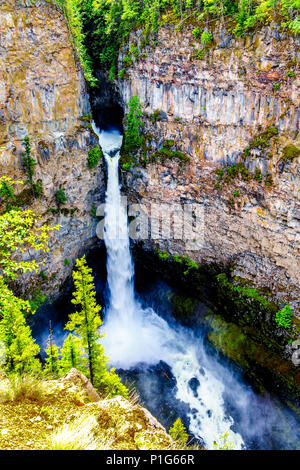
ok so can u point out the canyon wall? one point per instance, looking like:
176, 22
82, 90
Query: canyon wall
234, 101
43, 95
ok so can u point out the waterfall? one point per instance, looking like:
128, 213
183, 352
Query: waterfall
134, 335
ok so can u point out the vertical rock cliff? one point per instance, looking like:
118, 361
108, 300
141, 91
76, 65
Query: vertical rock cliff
233, 102
43, 95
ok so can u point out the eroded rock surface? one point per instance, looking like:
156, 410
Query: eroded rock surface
212, 110
43, 95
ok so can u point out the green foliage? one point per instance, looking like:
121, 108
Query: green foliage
94, 156
291, 74
156, 116
290, 152
52, 360
100, 27
257, 175
28, 162
60, 197
15, 334
67, 262
86, 322
198, 54
206, 38
29, 165
268, 180
94, 211
178, 432
37, 300
260, 141
276, 86
223, 443
133, 122
284, 317
7, 193
74, 11
243, 291
187, 262
71, 354
19, 231
163, 254
197, 33
167, 153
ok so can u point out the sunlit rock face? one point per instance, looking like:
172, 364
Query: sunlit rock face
212, 108
43, 95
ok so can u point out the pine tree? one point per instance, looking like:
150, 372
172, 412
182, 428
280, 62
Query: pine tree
133, 125
20, 348
52, 361
87, 321
178, 432
28, 162
71, 354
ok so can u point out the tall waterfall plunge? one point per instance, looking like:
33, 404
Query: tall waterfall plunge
139, 336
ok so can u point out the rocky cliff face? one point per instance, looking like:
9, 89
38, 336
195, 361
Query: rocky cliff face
43, 95
234, 101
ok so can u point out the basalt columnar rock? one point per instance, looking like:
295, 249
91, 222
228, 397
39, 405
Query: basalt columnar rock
234, 101
43, 95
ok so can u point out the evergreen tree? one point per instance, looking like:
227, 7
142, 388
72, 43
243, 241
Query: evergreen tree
71, 354
20, 348
87, 321
133, 125
178, 432
52, 361
7, 194
28, 162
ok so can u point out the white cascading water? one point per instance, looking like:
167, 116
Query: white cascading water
134, 335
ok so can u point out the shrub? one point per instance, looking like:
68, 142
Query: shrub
290, 73
268, 180
27, 387
94, 211
290, 152
60, 197
284, 316
78, 435
206, 38
197, 33
258, 175
94, 156
156, 116
67, 262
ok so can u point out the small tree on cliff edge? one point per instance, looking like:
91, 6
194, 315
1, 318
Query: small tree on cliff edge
133, 125
86, 321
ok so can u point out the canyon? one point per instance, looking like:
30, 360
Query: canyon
220, 126
212, 109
